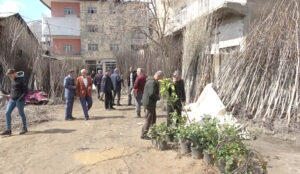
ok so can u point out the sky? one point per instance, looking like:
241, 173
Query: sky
28, 9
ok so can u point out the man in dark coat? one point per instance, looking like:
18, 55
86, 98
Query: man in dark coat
117, 85
69, 85
180, 92
97, 82
18, 93
150, 97
107, 88
131, 80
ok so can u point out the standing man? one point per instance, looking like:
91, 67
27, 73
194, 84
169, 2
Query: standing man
107, 88
131, 79
18, 93
97, 82
138, 90
69, 85
93, 74
84, 91
117, 82
150, 97
180, 92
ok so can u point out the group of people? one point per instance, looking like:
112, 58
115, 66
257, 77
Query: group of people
107, 85
144, 90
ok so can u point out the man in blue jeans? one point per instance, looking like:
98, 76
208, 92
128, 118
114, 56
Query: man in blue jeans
18, 93
69, 85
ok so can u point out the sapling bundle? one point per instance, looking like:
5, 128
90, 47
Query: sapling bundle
263, 80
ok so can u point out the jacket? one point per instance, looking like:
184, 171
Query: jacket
69, 85
81, 90
179, 90
134, 77
106, 85
98, 79
19, 88
139, 84
151, 93
116, 81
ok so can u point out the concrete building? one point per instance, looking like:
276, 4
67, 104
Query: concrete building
93, 30
235, 18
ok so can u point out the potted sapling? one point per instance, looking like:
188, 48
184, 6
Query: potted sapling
183, 134
197, 140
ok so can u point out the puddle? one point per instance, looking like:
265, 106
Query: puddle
96, 157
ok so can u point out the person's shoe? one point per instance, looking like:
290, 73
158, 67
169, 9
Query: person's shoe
112, 108
119, 105
24, 131
87, 118
145, 137
73, 118
68, 119
7, 132
129, 104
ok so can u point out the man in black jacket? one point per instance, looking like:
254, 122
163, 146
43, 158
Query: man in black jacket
18, 93
180, 92
131, 80
97, 82
107, 88
150, 97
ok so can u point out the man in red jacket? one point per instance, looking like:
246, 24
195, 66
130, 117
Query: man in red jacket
138, 90
84, 91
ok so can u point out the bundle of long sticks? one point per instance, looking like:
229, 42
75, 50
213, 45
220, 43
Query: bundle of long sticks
263, 80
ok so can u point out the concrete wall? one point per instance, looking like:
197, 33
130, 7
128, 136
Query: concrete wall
57, 8
61, 26
58, 46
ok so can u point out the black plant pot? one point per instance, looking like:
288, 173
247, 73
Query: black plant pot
170, 138
221, 165
197, 153
162, 145
185, 146
208, 158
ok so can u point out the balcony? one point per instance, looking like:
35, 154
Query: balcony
68, 26
196, 8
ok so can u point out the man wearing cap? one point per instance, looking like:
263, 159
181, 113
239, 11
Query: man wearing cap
97, 83
84, 91
180, 92
150, 97
69, 85
18, 93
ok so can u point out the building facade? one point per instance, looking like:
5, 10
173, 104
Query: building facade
234, 17
93, 30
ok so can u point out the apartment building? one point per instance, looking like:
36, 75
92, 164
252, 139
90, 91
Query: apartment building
93, 30
234, 21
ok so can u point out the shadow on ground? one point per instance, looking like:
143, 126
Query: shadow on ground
101, 117
52, 131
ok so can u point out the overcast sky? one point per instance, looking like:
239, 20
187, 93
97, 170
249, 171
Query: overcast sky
28, 9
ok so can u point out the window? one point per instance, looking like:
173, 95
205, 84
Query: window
93, 47
69, 11
92, 10
114, 47
134, 47
110, 65
68, 48
92, 28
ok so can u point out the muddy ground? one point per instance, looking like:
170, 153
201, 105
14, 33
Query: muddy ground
109, 143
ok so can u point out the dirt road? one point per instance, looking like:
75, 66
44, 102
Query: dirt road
109, 143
